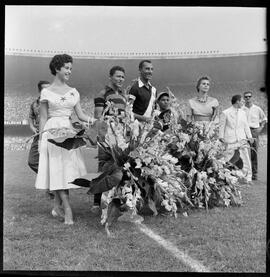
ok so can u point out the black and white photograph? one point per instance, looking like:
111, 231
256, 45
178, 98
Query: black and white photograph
135, 139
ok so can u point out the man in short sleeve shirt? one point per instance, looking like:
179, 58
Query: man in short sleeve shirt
111, 93
256, 120
144, 92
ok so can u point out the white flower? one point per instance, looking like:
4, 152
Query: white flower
166, 169
135, 128
212, 180
129, 202
127, 166
170, 158
227, 202
138, 163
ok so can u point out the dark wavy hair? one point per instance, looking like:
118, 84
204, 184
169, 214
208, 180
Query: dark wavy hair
142, 62
58, 61
41, 83
115, 68
236, 98
200, 80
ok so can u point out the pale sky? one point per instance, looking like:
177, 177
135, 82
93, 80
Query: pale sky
138, 29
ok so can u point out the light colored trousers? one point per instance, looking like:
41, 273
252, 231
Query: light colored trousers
245, 156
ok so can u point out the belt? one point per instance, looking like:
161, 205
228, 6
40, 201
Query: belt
202, 117
58, 116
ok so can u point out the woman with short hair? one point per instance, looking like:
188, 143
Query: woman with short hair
58, 166
202, 107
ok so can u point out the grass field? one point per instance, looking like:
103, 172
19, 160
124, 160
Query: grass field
224, 239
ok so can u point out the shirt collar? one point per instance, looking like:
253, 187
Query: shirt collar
141, 84
249, 107
236, 109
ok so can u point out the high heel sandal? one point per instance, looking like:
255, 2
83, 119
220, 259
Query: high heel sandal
69, 222
56, 214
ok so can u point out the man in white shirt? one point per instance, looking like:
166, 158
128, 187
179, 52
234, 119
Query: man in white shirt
256, 121
234, 131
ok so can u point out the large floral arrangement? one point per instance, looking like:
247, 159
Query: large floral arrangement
167, 172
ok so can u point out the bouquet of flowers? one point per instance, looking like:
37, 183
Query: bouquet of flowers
183, 167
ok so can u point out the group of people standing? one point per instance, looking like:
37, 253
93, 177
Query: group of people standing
56, 167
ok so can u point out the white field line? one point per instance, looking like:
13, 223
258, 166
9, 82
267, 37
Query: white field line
179, 255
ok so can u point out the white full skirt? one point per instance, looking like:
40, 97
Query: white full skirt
58, 166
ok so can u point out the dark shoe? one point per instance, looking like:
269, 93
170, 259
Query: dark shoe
95, 209
49, 194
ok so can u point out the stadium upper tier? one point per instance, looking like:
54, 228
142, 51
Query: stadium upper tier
17, 104
90, 75
230, 75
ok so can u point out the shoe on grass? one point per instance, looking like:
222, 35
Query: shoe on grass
95, 209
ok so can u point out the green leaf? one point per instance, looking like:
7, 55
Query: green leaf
98, 129
107, 180
85, 180
68, 143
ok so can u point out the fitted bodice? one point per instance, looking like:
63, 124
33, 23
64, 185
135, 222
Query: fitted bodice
60, 105
196, 107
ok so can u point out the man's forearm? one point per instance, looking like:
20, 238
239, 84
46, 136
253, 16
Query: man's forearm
262, 124
31, 124
140, 117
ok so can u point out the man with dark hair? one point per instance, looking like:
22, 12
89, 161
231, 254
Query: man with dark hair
34, 126
234, 130
144, 92
112, 93
256, 120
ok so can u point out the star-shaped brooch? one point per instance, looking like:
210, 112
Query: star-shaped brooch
63, 98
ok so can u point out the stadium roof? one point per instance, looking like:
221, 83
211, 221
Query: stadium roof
130, 32
125, 55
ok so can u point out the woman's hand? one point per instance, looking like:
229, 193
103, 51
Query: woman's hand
34, 129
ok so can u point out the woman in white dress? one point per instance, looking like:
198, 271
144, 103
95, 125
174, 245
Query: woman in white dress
58, 166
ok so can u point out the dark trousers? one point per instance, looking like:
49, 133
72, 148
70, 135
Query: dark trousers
101, 157
253, 152
33, 156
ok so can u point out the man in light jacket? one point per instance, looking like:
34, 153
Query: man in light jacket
234, 130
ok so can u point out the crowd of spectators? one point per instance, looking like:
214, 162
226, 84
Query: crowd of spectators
17, 104
16, 107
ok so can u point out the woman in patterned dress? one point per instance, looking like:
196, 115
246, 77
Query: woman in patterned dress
58, 166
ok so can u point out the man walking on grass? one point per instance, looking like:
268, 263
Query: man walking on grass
256, 121
234, 130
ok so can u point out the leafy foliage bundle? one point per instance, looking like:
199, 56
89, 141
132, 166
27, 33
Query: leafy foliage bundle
181, 168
